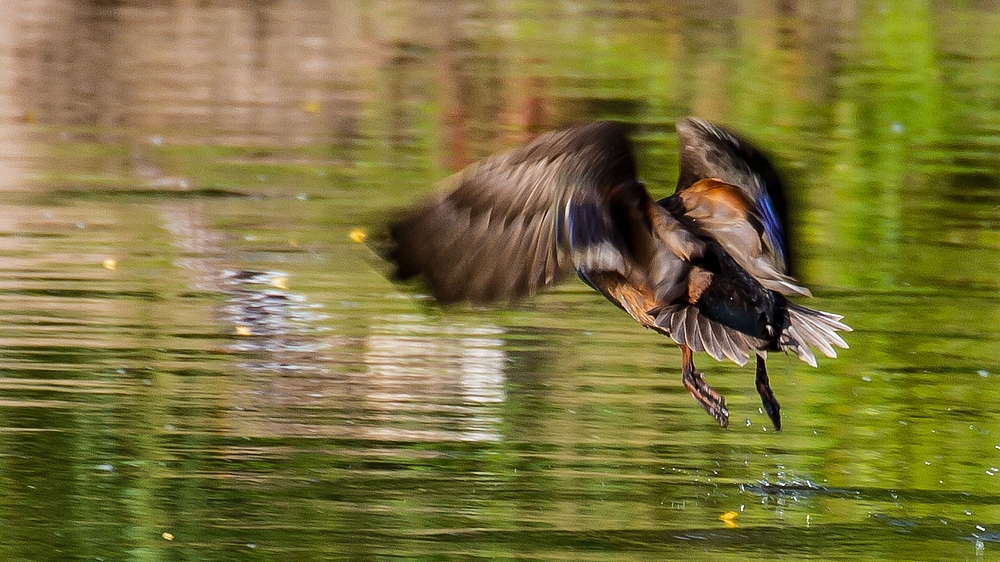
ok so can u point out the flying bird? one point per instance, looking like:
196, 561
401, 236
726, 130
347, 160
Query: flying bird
706, 266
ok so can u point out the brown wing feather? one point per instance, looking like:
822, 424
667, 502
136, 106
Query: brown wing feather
711, 152
504, 228
723, 212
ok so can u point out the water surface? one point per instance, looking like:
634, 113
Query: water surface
199, 363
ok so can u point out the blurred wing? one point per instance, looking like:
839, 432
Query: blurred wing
709, 151
516, 222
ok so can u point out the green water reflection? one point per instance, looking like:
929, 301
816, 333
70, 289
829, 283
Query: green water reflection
198, 364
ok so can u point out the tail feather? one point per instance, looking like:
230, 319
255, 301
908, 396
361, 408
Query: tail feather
687, 326
815, 328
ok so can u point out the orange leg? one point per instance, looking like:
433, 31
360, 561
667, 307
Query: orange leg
771, 406
694, 381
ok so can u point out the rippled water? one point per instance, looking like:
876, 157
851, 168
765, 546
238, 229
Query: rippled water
200, 361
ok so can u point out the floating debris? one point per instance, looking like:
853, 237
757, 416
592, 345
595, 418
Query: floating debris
729, 519
357, 236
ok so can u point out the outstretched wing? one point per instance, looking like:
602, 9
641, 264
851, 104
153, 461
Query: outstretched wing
519, 221
729, 191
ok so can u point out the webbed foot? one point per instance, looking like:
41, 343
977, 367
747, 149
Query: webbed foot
771, 406
694, 381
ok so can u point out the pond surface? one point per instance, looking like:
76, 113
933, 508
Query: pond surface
200, 361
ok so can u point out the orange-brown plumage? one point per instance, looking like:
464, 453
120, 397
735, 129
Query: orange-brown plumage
718, 200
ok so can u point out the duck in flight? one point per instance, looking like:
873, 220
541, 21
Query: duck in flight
706, 266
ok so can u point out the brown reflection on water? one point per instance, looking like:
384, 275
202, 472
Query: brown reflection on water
294, 73
13, 137
218, 72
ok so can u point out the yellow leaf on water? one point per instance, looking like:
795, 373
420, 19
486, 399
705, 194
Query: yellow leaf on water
243, 331
357, 236
280, 283
167, 536
729, 519
110, 263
